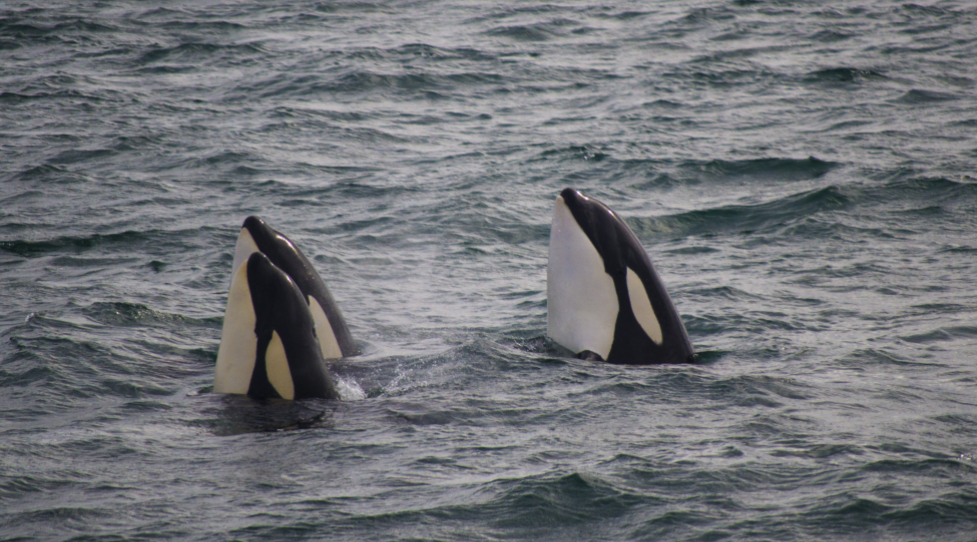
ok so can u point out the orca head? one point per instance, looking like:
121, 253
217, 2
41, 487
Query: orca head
268, 343
246, 244
604, 299
257, 236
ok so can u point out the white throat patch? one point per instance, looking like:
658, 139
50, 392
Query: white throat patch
581, 306
243, 250
239, 345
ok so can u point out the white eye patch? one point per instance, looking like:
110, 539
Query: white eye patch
641, 306
276, 366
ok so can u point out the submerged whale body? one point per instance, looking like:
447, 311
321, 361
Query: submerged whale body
281, 323
604, 299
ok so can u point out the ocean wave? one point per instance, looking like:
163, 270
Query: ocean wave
73, 244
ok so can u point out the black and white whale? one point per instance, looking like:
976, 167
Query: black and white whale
269, 348
258, 236
604, 299
281, 322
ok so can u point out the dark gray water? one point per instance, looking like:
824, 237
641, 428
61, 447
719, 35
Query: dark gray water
802, 174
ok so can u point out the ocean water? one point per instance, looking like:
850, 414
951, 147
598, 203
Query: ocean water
801, 173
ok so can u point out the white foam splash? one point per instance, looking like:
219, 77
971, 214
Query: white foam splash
349, 390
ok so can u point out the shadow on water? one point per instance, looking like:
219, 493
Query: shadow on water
239, 414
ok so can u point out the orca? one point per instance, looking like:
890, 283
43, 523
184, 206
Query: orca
281, 322
257, 236
269, 348
605, 302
